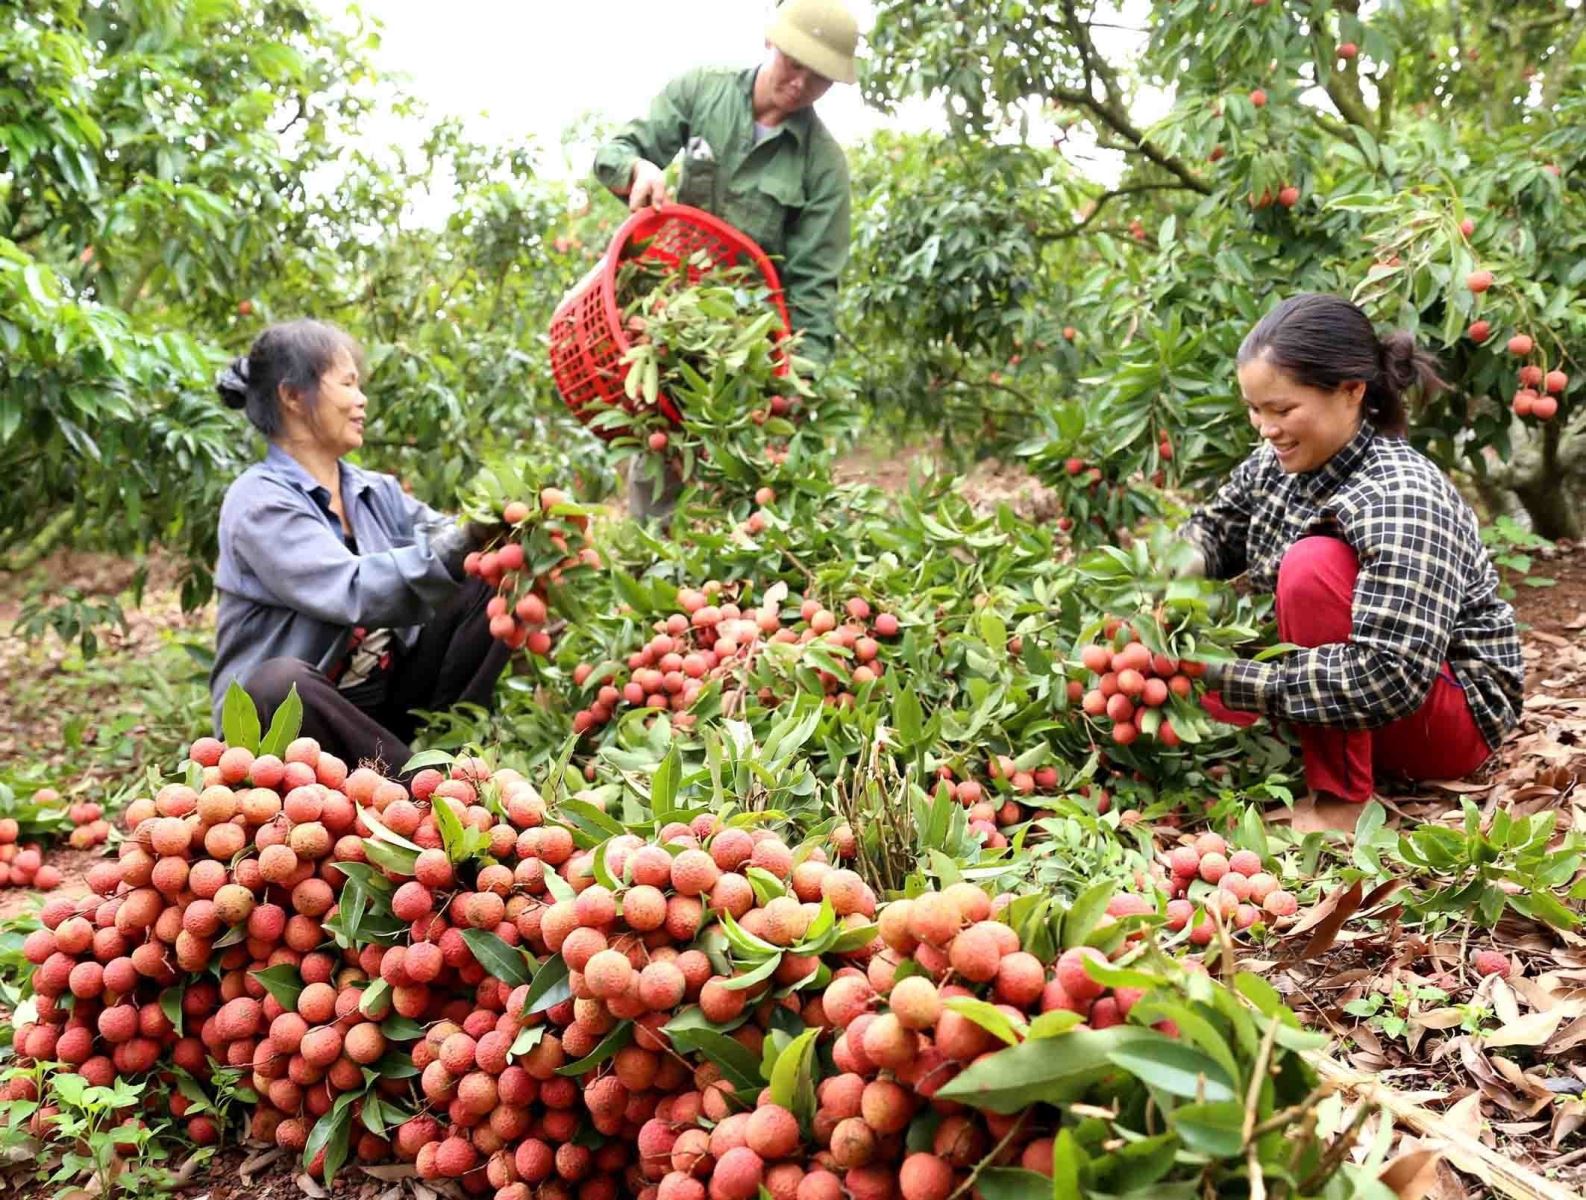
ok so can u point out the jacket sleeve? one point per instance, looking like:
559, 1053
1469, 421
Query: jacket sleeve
1402, 615
301, 562
817, 251
1220, 529
656, 137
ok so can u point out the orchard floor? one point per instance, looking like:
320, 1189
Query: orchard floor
88, 725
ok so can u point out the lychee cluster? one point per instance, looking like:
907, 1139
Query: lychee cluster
713, 638
541, 547
1135, 690
995, 812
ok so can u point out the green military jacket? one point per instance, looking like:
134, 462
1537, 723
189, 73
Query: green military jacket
789, 192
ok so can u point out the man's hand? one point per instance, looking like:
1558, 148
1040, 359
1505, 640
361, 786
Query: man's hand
648, 186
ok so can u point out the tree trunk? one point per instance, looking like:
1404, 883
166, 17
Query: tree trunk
1553, 511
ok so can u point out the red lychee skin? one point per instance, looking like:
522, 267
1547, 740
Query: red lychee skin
1184, 860
1071, 973
738, 1175
853, 1143
1281, 904
923, 1176
820, 1184
1213, 866
1491, 962
772, 1132
1246, 862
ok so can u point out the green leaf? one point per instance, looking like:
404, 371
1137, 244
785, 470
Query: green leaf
171, 1006
738, 1064
239, 719
664, 784
376, 999
792, 1079
550, 985
283, 982
451, 830
609, 1045
1052, 1070
428, 758
1086, 911
990, 1018
748, 979
397, 859
401, 1029
284, 725
526, 1040
330, 1134
1170, 1066
1214, 1129
506, 963
1013, 1183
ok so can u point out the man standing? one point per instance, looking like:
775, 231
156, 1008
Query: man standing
756, 155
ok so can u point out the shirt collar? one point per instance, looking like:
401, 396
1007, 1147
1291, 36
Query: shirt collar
797, 124
354, 481
1333, 473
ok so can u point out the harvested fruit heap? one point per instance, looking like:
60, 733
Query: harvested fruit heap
836, 653
448, 975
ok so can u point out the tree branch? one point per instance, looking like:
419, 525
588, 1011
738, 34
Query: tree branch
1111, 111
1101, 202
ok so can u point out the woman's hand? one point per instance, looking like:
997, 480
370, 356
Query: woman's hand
1193, 566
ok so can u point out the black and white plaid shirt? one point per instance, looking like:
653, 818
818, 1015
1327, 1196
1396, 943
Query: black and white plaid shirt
1427, 592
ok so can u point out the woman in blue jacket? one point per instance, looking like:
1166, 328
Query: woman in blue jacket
331, 578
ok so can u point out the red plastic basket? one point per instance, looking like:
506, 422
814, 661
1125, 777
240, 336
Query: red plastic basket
588, 341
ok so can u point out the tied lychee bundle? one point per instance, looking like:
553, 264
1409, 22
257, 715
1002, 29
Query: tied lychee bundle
22, 863
1232, 888
712, 639
541, 546
1135, 690
1096, 506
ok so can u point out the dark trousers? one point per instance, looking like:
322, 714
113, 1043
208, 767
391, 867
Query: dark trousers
455, 660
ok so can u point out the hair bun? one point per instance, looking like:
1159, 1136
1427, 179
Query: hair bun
232, 383
1405, 364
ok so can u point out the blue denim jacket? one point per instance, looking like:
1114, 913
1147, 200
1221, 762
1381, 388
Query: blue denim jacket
289, 586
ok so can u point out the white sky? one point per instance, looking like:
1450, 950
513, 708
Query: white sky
512, 68
516, 69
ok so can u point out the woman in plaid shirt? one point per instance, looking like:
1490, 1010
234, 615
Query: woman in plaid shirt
1410, 663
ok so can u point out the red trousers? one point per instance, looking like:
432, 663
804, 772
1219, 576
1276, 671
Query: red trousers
1441, 740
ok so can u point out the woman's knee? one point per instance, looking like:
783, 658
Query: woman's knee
269, 683
1317, 570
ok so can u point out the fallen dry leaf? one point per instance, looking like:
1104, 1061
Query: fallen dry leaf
1533, 1029
1412, 1173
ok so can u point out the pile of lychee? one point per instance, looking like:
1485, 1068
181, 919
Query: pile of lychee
1135, 690
543, 543
713, 638
1239, 891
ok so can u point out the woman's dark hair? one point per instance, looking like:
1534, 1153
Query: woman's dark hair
296, 353
1325, 341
